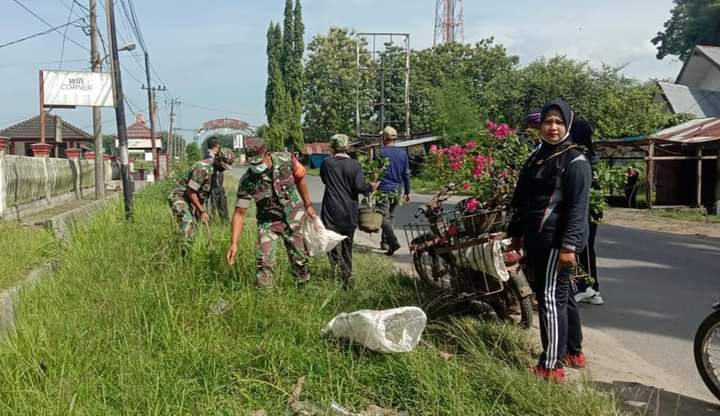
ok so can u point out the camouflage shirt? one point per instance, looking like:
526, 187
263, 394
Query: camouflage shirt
274, 191
197, 179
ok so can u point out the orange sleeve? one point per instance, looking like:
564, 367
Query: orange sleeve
298, 169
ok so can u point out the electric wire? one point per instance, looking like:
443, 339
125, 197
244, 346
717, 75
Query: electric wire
48, 24
62, 49
45, 32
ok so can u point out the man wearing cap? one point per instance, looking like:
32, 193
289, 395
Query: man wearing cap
187, 198
395, 180
276, 182
344, 181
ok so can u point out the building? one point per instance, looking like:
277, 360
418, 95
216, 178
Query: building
697, 88
139, 140
60, 134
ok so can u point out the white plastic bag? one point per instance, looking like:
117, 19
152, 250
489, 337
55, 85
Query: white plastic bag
318, 239
390, 330
487, 258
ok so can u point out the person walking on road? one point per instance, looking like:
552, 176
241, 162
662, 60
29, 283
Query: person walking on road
344, 181
187, 198
395, 180
218, 199
276, 182
581, 134
550, 220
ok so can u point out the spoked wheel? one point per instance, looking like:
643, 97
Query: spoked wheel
432, 268
707, 352
510, 306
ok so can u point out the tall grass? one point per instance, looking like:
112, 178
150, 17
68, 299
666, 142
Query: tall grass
128, 326
22, 248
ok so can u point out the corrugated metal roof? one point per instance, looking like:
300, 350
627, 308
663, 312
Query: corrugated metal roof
682, 99
414, 142
30, 129
700, 130
712, 52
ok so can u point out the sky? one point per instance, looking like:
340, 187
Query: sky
211, 54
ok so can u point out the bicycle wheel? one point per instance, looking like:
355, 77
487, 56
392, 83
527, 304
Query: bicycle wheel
707, 352
510, 306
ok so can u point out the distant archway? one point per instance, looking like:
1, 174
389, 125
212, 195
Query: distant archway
226, 127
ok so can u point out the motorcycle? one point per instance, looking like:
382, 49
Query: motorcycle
706, 349
448, 248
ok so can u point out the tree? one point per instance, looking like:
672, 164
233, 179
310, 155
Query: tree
291, 66
278, 103
108, 144
176, 138
330, 81
692, 22
192, 152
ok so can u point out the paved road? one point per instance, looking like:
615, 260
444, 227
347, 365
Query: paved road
658, 288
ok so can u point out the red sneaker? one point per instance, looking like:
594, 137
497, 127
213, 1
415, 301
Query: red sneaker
550, 374
575, 360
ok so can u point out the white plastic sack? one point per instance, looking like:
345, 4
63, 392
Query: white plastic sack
487, 258
390, 330
318, 239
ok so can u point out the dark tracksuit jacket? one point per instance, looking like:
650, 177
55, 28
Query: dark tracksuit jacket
551, 213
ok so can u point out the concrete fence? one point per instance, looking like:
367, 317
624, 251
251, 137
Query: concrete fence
31, 184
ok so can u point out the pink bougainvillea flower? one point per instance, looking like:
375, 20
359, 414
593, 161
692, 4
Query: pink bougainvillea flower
472, 205
503, 131
490, 125
504, 173
481, 164
456, 150
470, 145
452, 230
433, 149
466, 186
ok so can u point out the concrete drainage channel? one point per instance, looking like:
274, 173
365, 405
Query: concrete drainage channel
60, 225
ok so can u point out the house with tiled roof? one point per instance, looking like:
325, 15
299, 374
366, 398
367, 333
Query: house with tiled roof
60, 134
140, 139
697, 87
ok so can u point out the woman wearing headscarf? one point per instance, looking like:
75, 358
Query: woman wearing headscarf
581, 134
550, 221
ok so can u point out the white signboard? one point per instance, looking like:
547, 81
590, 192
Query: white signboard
140, 143
78, 88
238, 142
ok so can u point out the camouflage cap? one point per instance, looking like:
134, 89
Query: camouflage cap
255, 150
340, 142
224, 158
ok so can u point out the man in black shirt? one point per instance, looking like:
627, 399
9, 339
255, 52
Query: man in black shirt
344, 180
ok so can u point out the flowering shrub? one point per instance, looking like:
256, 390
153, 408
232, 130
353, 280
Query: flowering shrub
486, 167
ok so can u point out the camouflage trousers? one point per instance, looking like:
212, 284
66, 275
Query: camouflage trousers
268, 235
184, 216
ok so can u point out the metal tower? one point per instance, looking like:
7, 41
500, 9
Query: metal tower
449, 25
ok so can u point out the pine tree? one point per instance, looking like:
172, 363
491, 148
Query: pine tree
277, 116
269, 89
298, 79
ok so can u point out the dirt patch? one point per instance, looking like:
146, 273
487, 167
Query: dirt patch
639, 219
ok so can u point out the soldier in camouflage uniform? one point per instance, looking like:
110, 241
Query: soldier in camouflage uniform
276, 182
188, 197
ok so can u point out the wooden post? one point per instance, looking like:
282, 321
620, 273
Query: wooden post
699, 176
42, 108
650, 174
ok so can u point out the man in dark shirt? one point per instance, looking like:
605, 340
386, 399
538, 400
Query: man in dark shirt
395, 180
344, 181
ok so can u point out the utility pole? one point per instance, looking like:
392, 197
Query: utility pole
151, 106
97, 115
171, 140
119, 108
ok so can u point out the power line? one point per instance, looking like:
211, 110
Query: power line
62, 49
42, 63
48, 24
71, 7
201, 107
39, 34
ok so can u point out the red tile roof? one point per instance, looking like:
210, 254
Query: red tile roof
314, 148
138, 130
30, 129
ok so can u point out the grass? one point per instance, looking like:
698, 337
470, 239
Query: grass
694, 215
22, 248
128, 326
313, 171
